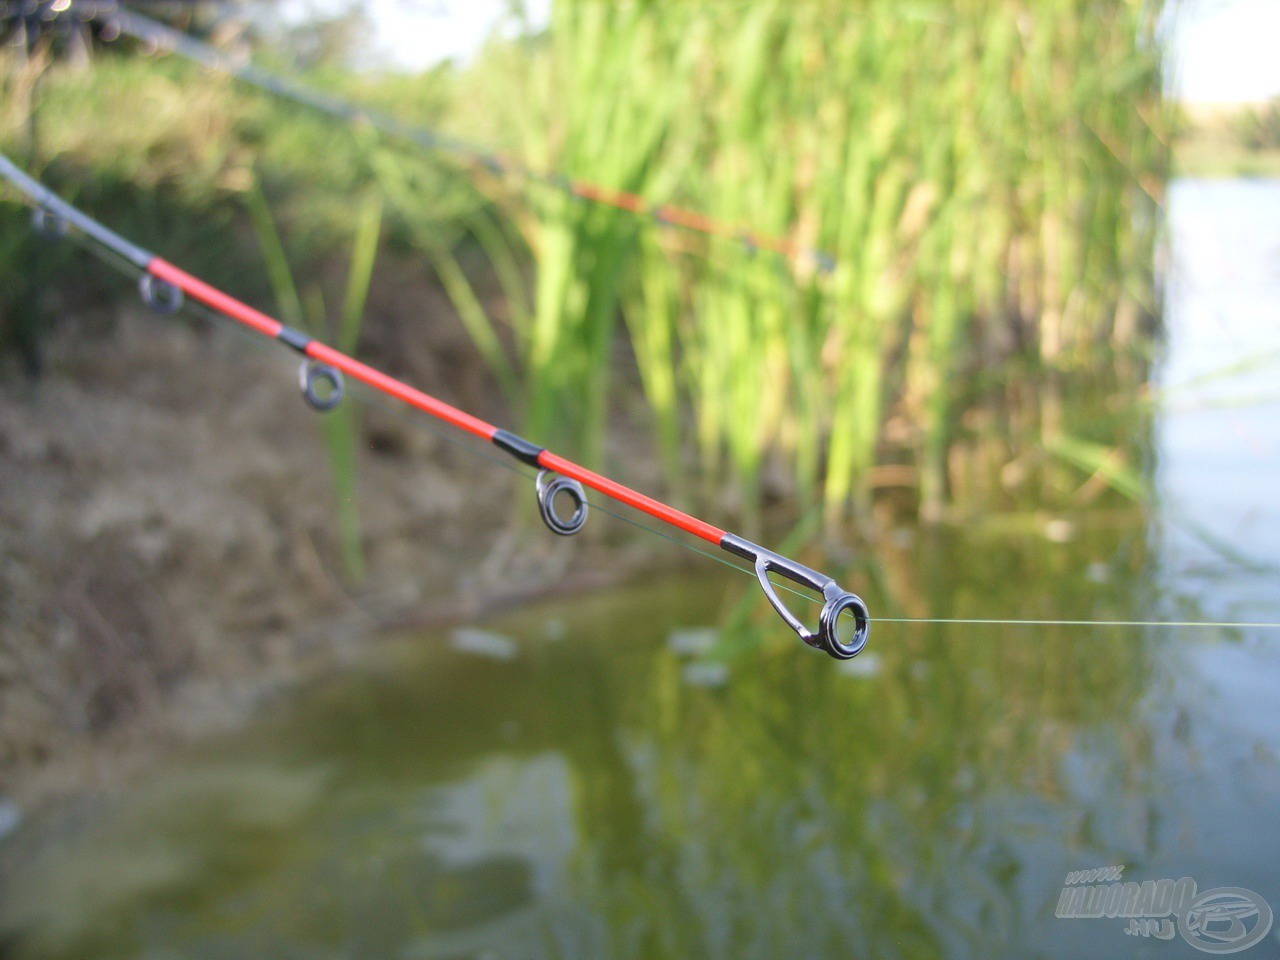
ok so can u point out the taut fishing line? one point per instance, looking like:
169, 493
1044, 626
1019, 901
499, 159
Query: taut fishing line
1084, 623
167, 289
159, 36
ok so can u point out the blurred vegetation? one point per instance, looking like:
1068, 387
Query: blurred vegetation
1228, 140
984, 175
1259, 127
304, 307
24, 266
206, 172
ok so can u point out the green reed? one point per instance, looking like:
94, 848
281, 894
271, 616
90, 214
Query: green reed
306, 309
984, 175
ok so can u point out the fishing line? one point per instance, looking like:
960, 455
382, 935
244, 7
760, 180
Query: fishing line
1082, 623
168, 289
373, 399
377, 401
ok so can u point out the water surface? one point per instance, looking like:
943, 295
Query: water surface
586, 780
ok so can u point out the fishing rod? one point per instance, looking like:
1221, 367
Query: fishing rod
843, 622
176, 42
163, 287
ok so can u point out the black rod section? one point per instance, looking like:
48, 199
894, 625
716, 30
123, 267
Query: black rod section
518, 447
47, 200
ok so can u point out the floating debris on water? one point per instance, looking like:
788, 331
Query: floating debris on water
704, 673
10, 817
692, 641
1059, 531
1097, 572
483, 643
867, 665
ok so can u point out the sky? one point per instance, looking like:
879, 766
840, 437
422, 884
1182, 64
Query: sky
1224, 51
416, 34
1227, 51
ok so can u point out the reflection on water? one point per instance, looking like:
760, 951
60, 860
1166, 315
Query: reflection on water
1220, 433
580, 782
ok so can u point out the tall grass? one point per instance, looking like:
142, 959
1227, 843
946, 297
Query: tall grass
305, 308
985, 176
19, 316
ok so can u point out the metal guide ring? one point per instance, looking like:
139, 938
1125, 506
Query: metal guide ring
548, 490
160, 295
829, 626
49, 223
836, 601
310, 375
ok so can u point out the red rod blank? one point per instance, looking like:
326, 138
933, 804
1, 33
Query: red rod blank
400, 390
632, 498
231, 307
215, 298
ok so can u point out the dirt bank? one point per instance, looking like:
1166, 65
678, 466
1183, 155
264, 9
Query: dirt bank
167, 540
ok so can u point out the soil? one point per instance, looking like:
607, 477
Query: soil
168, 554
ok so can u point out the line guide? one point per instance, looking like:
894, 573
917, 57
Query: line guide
844, 621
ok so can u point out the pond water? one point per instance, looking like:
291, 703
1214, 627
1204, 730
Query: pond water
582, 780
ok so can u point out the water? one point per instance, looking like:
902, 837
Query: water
583, 780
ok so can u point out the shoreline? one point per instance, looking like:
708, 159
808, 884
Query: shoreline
157, 473
1209, 142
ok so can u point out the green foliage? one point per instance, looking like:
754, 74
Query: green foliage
1259, 128
306, 309
985, 176
163, 149
21, 263
26, 263
406, 183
